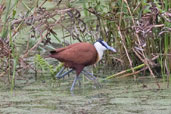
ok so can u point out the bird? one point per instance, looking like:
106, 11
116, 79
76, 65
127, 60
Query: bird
79, 55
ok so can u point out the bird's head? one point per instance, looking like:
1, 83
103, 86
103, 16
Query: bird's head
101, 45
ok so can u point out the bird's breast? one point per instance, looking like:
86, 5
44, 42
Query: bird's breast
97, 58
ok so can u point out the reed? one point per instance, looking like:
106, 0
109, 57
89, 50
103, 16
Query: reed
139, 29
137, 43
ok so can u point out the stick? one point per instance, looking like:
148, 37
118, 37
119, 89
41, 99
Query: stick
133, 73
128, 70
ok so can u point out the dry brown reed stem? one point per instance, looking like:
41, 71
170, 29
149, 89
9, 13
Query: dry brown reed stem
121, 61
33, 18
137, 53
120, 73
27, 46
44, 16
4, 72
146, 64
126, 51
120, 18
43, 3
44, 29
137, 7
35, 46
145, 59
133, 73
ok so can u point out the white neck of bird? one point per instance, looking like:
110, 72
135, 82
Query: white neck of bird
100, 49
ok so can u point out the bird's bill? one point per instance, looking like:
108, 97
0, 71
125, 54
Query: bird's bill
111, 48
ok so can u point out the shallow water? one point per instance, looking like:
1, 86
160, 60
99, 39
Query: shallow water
119, 96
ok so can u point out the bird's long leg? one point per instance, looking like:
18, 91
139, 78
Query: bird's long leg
79, 81
65, 73
59, 73
73, 84
90, 74
93, 78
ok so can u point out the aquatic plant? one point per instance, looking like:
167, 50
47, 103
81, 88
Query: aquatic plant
139, 29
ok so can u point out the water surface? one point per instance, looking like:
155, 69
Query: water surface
117, 96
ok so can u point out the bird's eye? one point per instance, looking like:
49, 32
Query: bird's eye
104, 44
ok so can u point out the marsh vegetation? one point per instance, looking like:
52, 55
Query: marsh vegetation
140, 30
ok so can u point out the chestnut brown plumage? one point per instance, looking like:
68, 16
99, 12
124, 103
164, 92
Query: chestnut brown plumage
76, 56
79, 55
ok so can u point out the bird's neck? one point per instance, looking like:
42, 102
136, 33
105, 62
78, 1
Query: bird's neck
100, 54
99, 51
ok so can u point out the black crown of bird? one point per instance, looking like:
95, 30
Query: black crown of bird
79, 55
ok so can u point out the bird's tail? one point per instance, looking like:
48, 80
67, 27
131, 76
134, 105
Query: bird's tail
52, 52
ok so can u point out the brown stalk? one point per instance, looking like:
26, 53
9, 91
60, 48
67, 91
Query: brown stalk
43, 3
145, 59
126, 51
120, 18
35, 46
3, 73
137, 54
44, 16
133, 73
146, 64
42, 30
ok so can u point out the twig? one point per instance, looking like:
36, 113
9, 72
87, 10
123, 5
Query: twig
3, 73
130, 62
128, 70
145, 59
43, 3
136, 53
44, 16
133, 73
36, 45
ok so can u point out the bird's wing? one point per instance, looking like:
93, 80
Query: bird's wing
64, 48
83, 53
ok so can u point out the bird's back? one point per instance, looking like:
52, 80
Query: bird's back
76, 54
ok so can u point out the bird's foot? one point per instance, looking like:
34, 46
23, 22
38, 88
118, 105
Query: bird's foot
92, 77
74, 82
60, 75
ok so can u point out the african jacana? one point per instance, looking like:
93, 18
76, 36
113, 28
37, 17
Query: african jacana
79, 55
